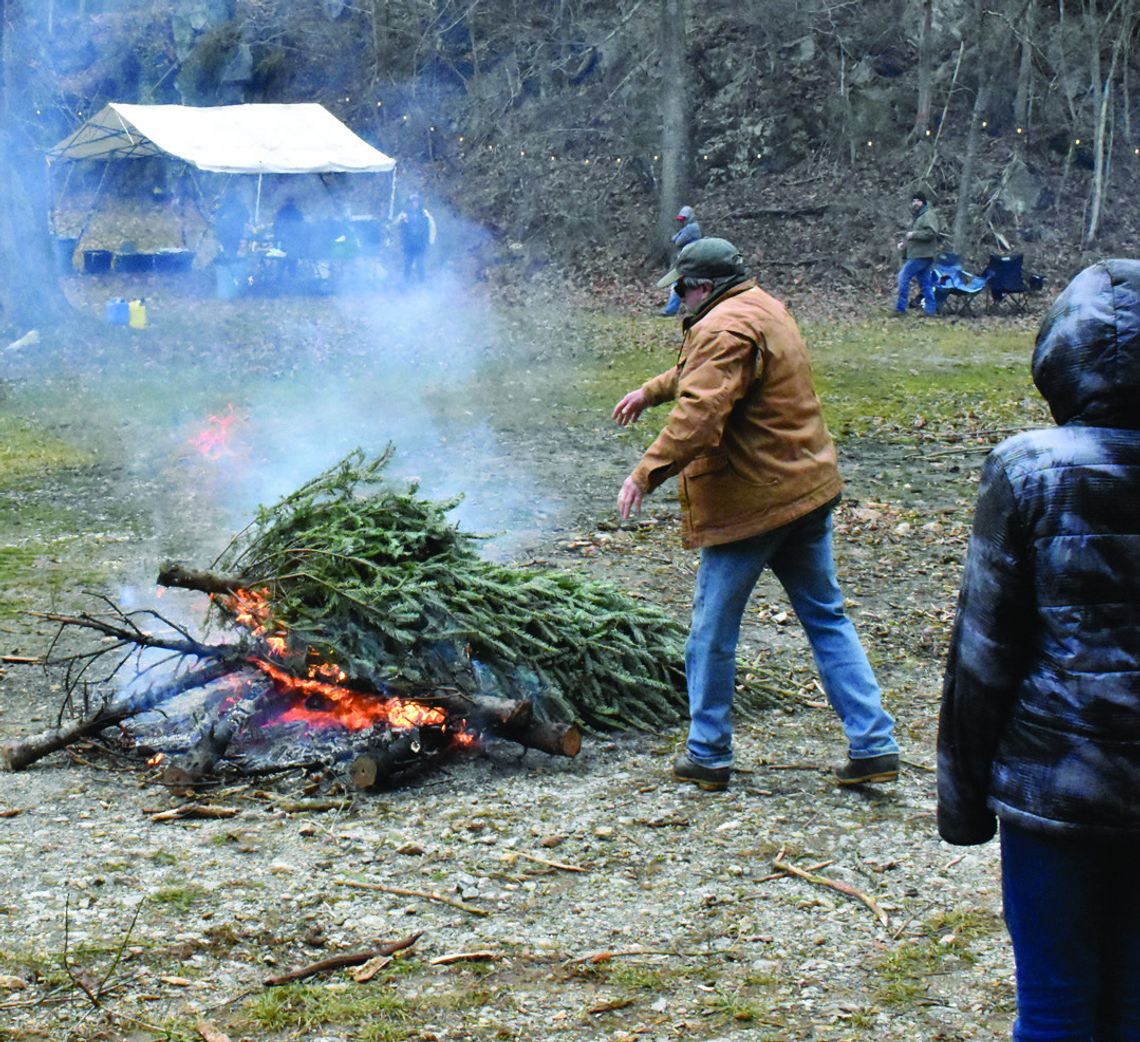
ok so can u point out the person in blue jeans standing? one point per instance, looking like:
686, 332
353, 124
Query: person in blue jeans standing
758, 480
919, 247
690, 231
1039, 730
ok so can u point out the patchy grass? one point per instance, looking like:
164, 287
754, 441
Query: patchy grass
179, 898
373, 1011
897, 376
376, 1013
27, 449
905, 974
878, 376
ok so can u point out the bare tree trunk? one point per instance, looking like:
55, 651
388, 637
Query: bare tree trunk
674, 121
922, 112
1102, 135
1025, 72
966, 178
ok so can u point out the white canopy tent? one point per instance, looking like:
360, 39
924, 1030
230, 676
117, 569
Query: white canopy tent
230, 139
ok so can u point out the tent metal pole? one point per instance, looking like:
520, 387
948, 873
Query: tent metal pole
392, 197
257, 204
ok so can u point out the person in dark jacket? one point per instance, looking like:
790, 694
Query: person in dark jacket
289, 233
417, 232
1039, 732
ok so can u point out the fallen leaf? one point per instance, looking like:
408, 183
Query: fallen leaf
12, 983
366, 971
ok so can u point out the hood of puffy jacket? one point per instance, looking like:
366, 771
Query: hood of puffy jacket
1086, 362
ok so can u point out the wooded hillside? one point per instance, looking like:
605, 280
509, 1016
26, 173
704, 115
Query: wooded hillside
570, 131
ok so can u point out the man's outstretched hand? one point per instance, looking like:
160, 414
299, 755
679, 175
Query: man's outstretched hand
630, 408
629, 499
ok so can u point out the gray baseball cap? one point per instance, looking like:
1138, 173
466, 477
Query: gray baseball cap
709, 258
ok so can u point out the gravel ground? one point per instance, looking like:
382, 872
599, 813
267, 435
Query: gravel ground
604, 901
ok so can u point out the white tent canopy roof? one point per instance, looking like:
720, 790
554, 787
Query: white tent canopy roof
227, 139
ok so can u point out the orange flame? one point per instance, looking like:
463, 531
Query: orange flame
213, 440
334, 705
251, 609
349, 709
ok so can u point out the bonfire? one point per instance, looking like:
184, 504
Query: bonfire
357, 627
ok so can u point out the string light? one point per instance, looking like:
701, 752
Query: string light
870, 144
1019, 130
928, 131
985, 123
1077, 142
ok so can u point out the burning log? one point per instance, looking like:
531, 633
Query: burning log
396, 754
19, 753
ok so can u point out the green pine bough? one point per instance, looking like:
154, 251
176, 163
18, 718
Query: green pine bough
379, 582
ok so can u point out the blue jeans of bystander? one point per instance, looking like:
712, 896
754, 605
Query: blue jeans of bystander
799, 555
921, 268
1073, 911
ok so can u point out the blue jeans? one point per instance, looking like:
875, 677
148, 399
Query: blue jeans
800, 556
921, 268
673, 304
1073, 911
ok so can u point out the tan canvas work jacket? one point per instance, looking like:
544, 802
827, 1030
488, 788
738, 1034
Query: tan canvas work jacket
746, 434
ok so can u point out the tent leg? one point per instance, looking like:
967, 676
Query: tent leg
257, 204
392, 197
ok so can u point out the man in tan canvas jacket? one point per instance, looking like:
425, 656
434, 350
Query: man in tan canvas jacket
757, 480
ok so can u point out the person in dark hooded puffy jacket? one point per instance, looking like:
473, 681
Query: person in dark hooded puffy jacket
1039, 733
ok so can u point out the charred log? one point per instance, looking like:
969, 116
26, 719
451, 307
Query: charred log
545, 736
210, 741
19, 753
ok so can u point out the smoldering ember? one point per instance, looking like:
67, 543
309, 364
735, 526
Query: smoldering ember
362, 629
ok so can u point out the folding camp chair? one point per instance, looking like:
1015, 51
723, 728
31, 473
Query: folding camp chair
954, 287
1007, 281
